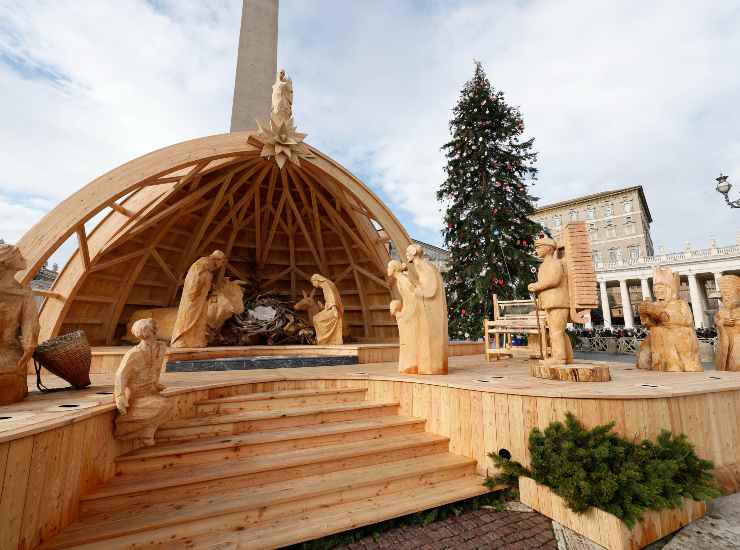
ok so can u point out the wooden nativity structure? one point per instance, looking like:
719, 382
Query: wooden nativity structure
140, 226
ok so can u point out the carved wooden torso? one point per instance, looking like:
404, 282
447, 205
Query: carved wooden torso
11, 318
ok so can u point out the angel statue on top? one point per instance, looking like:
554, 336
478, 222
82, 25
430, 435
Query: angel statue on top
280, 138
282, 98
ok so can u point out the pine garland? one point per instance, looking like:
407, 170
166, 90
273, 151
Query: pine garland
487, 227
599, 468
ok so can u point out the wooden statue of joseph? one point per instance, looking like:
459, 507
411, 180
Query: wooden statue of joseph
190, 330
432, 305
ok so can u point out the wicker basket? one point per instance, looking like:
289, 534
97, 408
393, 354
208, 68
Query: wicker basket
67, 356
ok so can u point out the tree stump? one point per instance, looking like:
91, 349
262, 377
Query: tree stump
571, 373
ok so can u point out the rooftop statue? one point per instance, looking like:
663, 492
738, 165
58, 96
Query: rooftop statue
279, 135
282, 98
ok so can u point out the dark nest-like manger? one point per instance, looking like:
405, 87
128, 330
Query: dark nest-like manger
268, 319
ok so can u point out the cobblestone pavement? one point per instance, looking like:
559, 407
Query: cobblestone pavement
718, 530
481, 529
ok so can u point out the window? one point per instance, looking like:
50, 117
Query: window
613, 255
634, 252
590, 212
592, 230
611, 230
597, 257
609, 209
573, 215
556, 222
628, 205
629, 225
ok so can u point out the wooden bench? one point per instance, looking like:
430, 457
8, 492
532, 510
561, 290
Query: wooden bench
498, 333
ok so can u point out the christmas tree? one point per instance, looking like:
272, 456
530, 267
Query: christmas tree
487, 227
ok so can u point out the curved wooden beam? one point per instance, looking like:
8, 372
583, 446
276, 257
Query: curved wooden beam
143, 189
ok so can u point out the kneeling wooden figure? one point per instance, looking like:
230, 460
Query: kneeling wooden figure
137, 388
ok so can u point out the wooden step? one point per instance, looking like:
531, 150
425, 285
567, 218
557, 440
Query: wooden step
313, 524
157, 523
219, 449
252, 421
279, 400
189, 482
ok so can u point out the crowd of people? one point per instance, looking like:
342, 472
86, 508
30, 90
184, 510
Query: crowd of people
638, 332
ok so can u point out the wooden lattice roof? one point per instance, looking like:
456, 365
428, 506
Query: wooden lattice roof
164, 210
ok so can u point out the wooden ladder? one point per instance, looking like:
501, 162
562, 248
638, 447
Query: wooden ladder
266, 470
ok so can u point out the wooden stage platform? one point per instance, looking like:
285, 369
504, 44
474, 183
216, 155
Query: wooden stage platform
105, 360
57, 448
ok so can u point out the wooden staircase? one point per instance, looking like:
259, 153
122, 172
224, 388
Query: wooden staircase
266, 470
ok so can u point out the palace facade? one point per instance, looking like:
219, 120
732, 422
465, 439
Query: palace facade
618, 222
624, 284
619, 225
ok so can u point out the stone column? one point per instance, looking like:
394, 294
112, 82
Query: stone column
605, 311
697, 304
717, 276
646, 290
629, 321
256, 64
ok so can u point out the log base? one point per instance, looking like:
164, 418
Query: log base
571, 373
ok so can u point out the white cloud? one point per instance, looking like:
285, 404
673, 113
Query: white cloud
15, 216
615, 94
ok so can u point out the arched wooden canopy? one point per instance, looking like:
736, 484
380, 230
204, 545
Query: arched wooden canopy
162, 211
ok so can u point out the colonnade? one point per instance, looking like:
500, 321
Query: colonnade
697, 296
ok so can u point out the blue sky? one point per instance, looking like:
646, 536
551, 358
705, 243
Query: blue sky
615, 94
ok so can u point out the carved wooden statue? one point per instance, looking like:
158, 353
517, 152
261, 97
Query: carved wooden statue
282, 98
280, 138
579, 265
137, 389
19, 327
328, 321
551, 288
191, 324
672, 344
226, 300
431, 302
727, 321
406, 312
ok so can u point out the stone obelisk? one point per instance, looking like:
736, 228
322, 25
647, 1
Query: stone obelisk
256, 64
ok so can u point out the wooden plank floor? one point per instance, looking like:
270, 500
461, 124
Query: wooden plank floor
479, 407
191, 490
472, 372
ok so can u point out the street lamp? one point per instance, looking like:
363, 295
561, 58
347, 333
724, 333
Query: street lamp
724, 186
